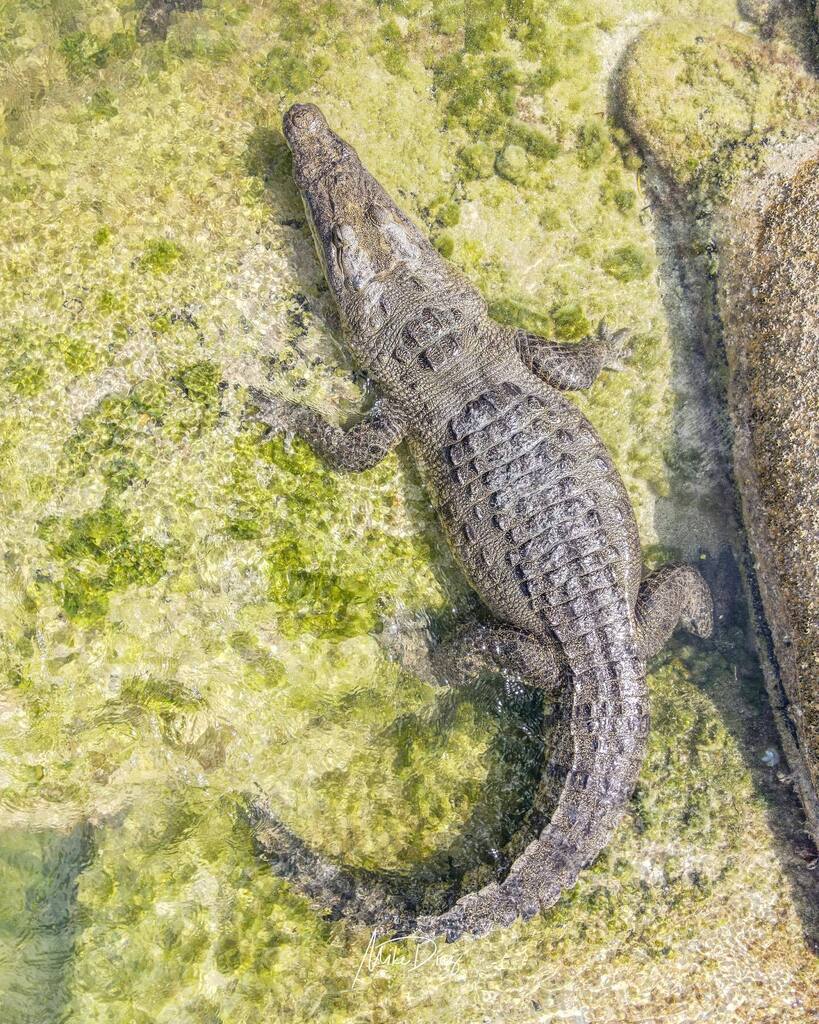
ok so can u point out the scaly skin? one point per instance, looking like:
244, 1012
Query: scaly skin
530, 501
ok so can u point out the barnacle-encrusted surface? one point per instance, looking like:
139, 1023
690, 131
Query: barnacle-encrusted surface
771, 315
188, 612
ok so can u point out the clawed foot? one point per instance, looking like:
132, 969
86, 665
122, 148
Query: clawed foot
617, 346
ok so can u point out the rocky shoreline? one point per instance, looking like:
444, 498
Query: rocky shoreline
745, 217
770, 312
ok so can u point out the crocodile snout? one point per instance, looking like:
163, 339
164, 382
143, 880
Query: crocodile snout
315, 147
300, 119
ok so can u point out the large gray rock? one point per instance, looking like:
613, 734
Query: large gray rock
768, 238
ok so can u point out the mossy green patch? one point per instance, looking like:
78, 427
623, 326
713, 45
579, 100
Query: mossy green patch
549, 219
201, 384
82, 53
570, 322
80, 356
479, 159
591, 143
25, 375
480, 90
160, 255
285, 71
512, 164
445, 211
445, 244
534, 140
99, 554
102, 104
627, 263
754, 91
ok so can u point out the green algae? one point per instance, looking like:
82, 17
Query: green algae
513, 164
627, 263
101, 554
591, 143
188, 607
756, 93
479, 159
160, 255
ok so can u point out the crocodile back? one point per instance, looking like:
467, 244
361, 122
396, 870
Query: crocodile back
540, 522
533, 507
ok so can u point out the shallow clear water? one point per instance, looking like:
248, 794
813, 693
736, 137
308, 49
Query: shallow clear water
194, 618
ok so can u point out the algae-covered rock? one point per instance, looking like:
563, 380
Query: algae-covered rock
714, 117
704, 100
512, 163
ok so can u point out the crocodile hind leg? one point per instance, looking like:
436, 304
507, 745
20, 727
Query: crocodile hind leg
459, 661
672, 595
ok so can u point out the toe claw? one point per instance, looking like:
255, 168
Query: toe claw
618, 349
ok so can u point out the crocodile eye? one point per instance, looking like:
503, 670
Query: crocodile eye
342, 235
380, 214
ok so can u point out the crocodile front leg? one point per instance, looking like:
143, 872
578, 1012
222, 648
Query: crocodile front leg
672, 595
572, 366
458, 661
352, 450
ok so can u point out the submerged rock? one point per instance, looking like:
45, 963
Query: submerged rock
742, 201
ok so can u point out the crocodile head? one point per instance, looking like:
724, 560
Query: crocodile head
376, 261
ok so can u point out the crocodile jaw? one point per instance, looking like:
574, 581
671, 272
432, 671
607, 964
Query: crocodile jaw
369, 249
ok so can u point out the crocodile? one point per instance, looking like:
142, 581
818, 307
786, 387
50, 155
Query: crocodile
529, 500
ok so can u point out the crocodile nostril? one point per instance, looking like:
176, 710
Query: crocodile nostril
302, 115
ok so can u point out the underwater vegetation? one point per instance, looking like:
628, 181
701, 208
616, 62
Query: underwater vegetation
192, 614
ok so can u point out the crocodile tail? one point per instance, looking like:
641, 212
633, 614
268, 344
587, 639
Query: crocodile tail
595, 766
380, 901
